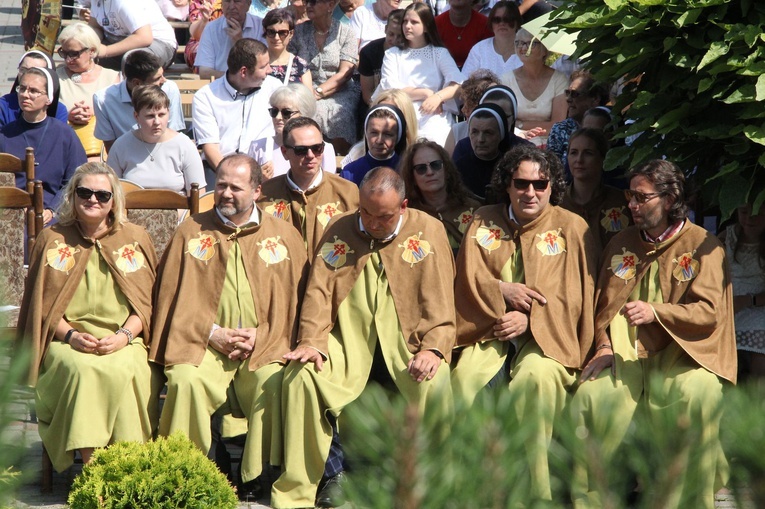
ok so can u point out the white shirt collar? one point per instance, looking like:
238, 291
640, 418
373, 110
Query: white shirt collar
254, 218
316, 181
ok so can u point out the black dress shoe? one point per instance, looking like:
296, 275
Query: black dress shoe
250, 491
332, 493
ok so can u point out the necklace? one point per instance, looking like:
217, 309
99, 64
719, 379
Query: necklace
150, 153
320, 33
42, 136
77, 76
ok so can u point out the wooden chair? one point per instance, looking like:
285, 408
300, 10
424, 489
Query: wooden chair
18, 236
157, 210
188, 88
129, 186
10, 165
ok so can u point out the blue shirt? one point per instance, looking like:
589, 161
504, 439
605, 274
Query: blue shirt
355, 171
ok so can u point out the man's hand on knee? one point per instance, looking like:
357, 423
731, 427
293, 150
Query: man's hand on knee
423, 365
306, 354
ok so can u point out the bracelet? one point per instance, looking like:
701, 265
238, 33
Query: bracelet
127, 333
439, 96
604, 346
68, 336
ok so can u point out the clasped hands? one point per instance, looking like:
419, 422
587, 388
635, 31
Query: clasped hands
87, 343
236, 344
518, 298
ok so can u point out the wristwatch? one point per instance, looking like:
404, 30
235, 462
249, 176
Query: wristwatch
319, 91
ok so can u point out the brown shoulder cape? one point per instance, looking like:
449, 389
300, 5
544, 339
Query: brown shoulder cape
57, 264
333, 196
606, 213
697, 312
420, 269
559, 260
190, 283
455, 216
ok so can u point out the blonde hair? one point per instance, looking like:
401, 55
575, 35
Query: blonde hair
400, 100
66, 212
81, 33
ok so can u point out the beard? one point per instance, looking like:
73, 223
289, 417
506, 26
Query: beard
229, 210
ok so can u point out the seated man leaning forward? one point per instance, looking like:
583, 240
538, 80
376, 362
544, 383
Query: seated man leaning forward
306, 196
525, 277
664, 327
379, 294
242, 270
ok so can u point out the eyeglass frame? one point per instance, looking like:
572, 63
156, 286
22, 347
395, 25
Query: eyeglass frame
640, 198
33, 92
70, 55
302, 150
536, 184
270, 32
80, 191
534, 43
422, 169
273, 112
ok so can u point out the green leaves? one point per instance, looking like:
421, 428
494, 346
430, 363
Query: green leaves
696, 73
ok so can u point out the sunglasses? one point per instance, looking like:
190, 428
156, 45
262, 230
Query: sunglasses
523, 184
85, 194
286, 114
503, 19
71, 55
522, 45
281, 33
641, 198
302, 150
422, 169
573, 94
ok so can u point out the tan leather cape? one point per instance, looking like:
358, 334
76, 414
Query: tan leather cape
57, 264
606, 213
190, 283
420, 269
333, 196
559, 260
695, 284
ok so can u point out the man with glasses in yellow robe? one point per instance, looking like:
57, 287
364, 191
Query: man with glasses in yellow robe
525, 277
664, 338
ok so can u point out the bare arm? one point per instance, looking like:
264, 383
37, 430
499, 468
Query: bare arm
206, 73
340, 78
141, 38
212, 154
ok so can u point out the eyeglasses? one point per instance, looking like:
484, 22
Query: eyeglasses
85, 194
281, 33
641, 198
286, 114
31, 92
422, 169
573, 94
522, 45
71, 55
503, 19
302, 150
523, 184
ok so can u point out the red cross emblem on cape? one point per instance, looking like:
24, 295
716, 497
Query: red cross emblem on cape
551, 243
203, 247
686, 267
614, 219
490, 237
624, 265
272, 251
335, 253
61, 257
327, 212
415, 249
128, 259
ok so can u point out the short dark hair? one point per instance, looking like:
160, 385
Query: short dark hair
245, 53
669, 180
256, 174
594, 89
141, 65
280, 15
549, 167
298, 123
396, 16
472, 89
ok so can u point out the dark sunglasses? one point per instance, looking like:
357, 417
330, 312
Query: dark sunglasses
302, 150
71, 54
85, 194
503, 19
641, 198
422, 169
573, 94
284, 111
523, 184
281, 33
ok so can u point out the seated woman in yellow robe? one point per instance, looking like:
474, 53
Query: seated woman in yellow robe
86, 308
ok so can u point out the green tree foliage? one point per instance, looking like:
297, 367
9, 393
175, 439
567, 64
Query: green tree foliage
166, 473
695, 74
477, 459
